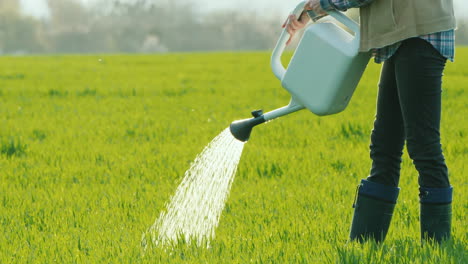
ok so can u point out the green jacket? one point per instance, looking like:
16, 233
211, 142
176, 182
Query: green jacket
384, 22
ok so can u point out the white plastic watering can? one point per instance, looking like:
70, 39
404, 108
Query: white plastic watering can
322, 74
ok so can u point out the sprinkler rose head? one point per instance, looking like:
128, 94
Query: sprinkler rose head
241, 129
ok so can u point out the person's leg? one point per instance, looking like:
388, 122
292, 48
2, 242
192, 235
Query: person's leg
377, 195
387, 138
419, 69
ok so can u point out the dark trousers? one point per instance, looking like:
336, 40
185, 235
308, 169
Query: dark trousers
409, 109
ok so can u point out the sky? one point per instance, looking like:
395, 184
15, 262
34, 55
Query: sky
39, 8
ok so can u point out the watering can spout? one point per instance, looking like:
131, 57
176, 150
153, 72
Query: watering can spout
241, 129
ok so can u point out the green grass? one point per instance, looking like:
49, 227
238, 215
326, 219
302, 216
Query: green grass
92, 147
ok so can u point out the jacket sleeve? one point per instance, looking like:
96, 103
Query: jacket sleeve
343, 5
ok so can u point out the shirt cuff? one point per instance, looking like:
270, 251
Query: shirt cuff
327, 5
330, 5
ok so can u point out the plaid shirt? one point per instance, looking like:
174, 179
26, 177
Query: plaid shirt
443, 41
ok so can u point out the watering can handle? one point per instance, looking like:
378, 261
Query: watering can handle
277, 66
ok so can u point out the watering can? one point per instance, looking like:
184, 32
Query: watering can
322, 74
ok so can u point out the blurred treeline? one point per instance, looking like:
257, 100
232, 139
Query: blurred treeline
141, 26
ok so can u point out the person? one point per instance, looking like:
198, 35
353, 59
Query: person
413, 38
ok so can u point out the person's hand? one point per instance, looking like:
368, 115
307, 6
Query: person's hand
293, 24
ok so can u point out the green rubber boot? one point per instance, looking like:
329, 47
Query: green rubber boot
435, 213
373, 211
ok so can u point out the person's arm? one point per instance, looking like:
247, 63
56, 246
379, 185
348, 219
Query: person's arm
330, 5
316, 9
343, 5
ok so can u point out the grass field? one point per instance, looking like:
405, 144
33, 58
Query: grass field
92, 147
